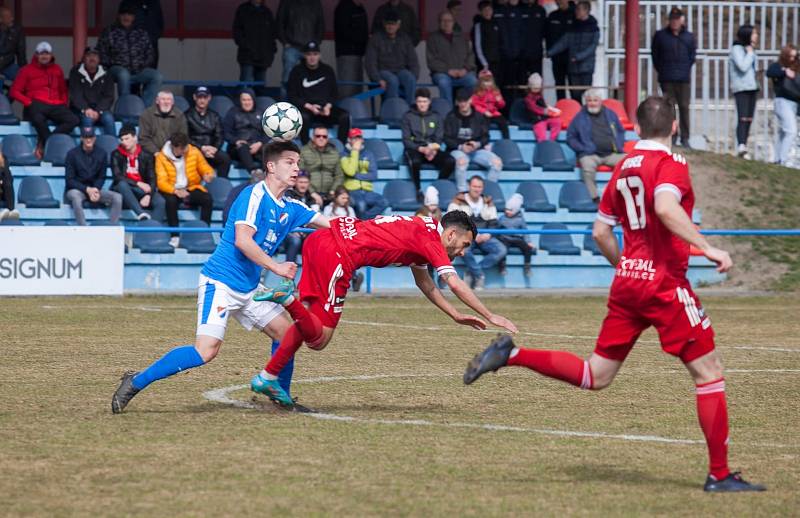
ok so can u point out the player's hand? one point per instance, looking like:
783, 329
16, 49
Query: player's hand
288, 270
470, 320
721, 257
503, 322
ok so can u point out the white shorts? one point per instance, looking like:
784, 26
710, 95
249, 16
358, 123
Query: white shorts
216, 302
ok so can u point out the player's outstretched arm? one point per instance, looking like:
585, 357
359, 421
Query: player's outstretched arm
320, 221
603, 234
468, 297
429, 289
670, 212
246, 245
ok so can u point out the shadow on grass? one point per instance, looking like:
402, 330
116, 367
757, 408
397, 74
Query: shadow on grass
623, 475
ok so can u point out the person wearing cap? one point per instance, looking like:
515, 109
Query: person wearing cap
513, 218
299, 21
423, 139
205, 131
430, 204
391, 60
360, 168
91, 92
12, 45
543, 117
350, 36
159, 121
580, 44
401, 11
255, 33
40, 87
243, 132
312, 88
85, 174
127, 52
674, 50
134, 176
450, 58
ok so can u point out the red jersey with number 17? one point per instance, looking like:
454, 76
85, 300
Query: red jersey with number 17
392, 240
653, 261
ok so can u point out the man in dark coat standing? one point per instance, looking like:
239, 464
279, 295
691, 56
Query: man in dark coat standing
254, 32
350, 33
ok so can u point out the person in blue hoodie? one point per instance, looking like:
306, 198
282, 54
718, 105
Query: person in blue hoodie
360, 168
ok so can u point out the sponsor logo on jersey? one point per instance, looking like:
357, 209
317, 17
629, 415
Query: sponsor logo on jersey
633, 162
631, 268
679, 158
347, 227
284, 219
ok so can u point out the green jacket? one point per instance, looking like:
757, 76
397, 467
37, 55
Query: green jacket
322, 167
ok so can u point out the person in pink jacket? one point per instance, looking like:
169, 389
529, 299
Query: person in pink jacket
544, 117
487, 100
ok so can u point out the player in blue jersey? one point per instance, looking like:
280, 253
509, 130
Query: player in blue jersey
259, 220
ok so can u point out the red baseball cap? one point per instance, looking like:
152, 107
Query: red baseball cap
355, 132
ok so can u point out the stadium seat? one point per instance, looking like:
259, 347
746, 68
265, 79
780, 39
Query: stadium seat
549, 156
574, 196
604, 169
181, 103
441, 106
535, 197
557, 244
219, 189
56, 223
392, 110
129, 108
493, 189
56, 149
107, 143
197, 242
337, 143
518, 113
359, 115
382, 153
447, 191
263, 102
12, 223
401, 195
569, 109
509, 152
221, 104
7, 117
590, 244
18, 150
152, 242
35, 193
618, 108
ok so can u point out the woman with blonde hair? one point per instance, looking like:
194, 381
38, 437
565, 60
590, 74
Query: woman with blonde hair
786, 83
7, 210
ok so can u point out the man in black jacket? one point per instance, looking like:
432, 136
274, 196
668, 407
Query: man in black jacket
205, 132
91, 92
534, 18
12, 45
254, 32
350, 33
486, 39
409, 20
149, 17
559, 23
299, 21
312, 88
85, 174
423, 136
134, 176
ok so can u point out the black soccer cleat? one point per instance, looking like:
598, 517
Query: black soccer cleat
124, 393
733, 483
490, 359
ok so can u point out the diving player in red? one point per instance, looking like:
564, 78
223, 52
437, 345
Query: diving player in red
650, 194
331, 257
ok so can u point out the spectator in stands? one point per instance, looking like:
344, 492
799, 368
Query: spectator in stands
580, 43
466, 133
559, 22
149, 17
391, 59
85, 174
597, 137
534, 18
321, 160
359, 168
205, 132
254, 32
544, 118
454, 8
312, 88
7, 210
160, 121
302, 192
508, 15
40, 87
134, 176
673, 50
488, 101
299, 21
350, 33
12, 45
514, 219
484, 214
430, 204
423, 138
339, 207
180, 171
91, 92
744, 85
786, 83
486, 38
450, 59
409, 21
243, 132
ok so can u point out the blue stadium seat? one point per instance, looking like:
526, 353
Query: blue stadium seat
263, 102
590, 244
18, 150
181, 103
493, 189
509, 152
574, 196
56, 149
107, 143
392, 110
56, 223
12, 223
129, 108
359, 114
441, 106
221, 104
35, 193
337, 144
549, 156
535, 197
197, 242
518, 114
7, 117
558, 244
219, 189
382, 153
401, 195
152, 242
447, 191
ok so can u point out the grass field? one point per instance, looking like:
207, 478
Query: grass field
417, 443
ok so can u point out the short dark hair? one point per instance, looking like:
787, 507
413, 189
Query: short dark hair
484, 3
476, 177
586, 5
461, 220
179, 139
273, 150
744, 35
127, 129
422, 92
655, 116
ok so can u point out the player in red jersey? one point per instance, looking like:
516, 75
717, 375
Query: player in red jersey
331, 257
650, 194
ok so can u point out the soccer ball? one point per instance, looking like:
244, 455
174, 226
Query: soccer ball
282, 121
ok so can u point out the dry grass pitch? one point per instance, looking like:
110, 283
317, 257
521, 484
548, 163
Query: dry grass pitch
416, 445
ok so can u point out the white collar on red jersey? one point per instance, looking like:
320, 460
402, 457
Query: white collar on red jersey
651, 145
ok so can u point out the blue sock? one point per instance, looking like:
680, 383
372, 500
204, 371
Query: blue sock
285, 377
178, 359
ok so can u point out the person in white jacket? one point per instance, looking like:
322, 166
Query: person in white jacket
742, 74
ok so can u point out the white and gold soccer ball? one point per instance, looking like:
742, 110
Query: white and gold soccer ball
282, 121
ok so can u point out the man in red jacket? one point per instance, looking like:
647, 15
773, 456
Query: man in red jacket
41, 88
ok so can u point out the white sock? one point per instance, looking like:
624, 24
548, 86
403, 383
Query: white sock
514, 352
267, 376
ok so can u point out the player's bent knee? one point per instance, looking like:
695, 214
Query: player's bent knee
207, 347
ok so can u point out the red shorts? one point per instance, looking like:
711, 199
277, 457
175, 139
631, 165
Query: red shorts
683, 327
325, 278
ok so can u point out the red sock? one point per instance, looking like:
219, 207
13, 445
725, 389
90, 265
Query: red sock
712, 412
308, 324
291, 342
560, 365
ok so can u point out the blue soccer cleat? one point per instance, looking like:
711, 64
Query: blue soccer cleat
733, 483
272, 389
282, 294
